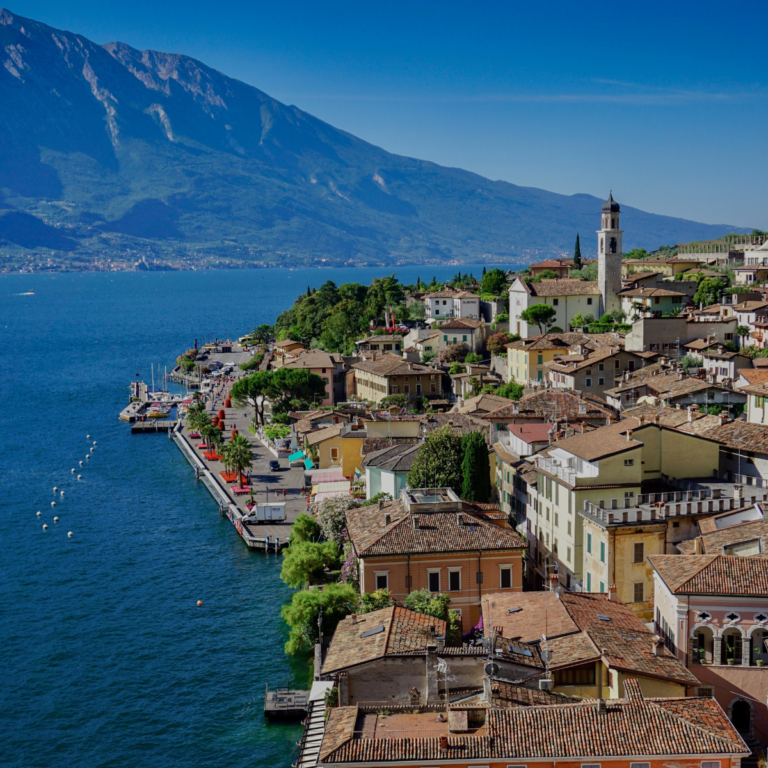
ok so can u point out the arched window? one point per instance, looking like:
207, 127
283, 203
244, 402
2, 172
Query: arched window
601, 245
613, 245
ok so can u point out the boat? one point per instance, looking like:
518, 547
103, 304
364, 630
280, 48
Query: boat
158, 411
30, 292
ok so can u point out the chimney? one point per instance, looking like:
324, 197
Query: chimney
698, 546
612, 592
444, 742
440, 644
723, 418
487, 691
387, 517
601, 708
629, 435
416, 522
414, 696
641, 419
657, 646
738, 492
554, 585
353, 617
379, 504
459, 519
690, 413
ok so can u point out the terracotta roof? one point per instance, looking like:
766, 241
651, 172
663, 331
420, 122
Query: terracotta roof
605, 441
565, 286
403, 633
392, 365
315, 358
741, 435
541, 406
530, 433
645, 292
437, 532
699, 344
287, 343
461, 423
750, 306
372, 444
581, 627
393, 458
632, 727
713, 542
563, 341
461, 323
713, 574
382, 337
575, 362
451, 293
549, 263
754, 375
481, 404
505, 695
313, 438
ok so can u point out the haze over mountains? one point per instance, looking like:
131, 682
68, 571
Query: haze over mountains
106, 150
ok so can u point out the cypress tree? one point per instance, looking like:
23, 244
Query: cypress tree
475, 468
483, 271
577, 254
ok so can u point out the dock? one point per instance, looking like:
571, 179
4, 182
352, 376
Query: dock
285, 704
133, 411
152, 426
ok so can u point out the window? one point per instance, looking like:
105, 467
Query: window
602, 587
540, 375
454, 581
434, 581
394, 389
569, 523
602, 553
587, 382
617, 363
505, 577
589, 581
601, 382
382, 579
568, 554
601, 367
590, 765
539, 359
555, 302
639, 591
589, 543
334, 454
629, 462
639, 553
581, 675
709, 763
463, 338
589, 301
639, 765
445, 338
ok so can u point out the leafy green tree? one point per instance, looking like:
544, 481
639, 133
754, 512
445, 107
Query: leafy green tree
375, 601
438, 462
301, 614
417, 311
398, 400
494, 281
473, 358
238, 456
542, 315
332, 518
293, 385
455, 368
304, 528
211, 435
709, 291
742, 331
545, 274
577, 254
475, 468
437, 605
381, 496
511, 390
263, 333
253, 388
304, 562
690, 361
577, 321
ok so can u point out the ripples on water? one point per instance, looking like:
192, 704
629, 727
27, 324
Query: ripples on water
106, 660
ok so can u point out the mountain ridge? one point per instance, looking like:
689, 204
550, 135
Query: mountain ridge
127, 153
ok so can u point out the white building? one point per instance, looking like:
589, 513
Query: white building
568, 297
450, 303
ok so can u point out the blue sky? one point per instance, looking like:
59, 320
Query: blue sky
665, 103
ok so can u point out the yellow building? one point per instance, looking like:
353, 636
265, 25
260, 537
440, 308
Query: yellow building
666, 267
597, 504
285, 351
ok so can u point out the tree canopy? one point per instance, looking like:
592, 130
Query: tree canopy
542, 315
305, 561
475, 468
494, 281
438, 462
577, 254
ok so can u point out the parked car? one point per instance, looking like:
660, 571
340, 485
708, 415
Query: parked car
274, 465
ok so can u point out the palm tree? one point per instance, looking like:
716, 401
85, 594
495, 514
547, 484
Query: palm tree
211, 435
198, 420
239, 456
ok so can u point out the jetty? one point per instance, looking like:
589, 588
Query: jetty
285, 704
152, 426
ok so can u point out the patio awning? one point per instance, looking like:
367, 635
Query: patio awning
308, 463
297, 456
330, 475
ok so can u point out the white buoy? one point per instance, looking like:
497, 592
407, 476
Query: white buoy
94, 442
53, 503
39, 513
73, 470
81, 463
92, 450
88, 457
79, 477
70, 534
62, 493
55, 488
87, 437
45, 527
55, 519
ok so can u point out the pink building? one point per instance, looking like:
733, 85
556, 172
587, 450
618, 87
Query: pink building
712, 611
328, 366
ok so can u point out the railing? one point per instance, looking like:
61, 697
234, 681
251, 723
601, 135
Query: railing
564, 473
419, 734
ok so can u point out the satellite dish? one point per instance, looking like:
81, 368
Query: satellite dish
491, 669
546, 655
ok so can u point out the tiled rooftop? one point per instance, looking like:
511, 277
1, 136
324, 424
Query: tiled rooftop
713, 542
713, 574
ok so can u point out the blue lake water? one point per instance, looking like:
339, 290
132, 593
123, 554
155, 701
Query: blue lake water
105, 660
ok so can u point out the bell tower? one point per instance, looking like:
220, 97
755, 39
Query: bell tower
609, 251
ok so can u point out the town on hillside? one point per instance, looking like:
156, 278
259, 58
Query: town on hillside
523, 513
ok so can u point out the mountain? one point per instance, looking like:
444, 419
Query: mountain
106, 151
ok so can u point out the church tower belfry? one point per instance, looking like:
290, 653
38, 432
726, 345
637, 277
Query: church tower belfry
609, 252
